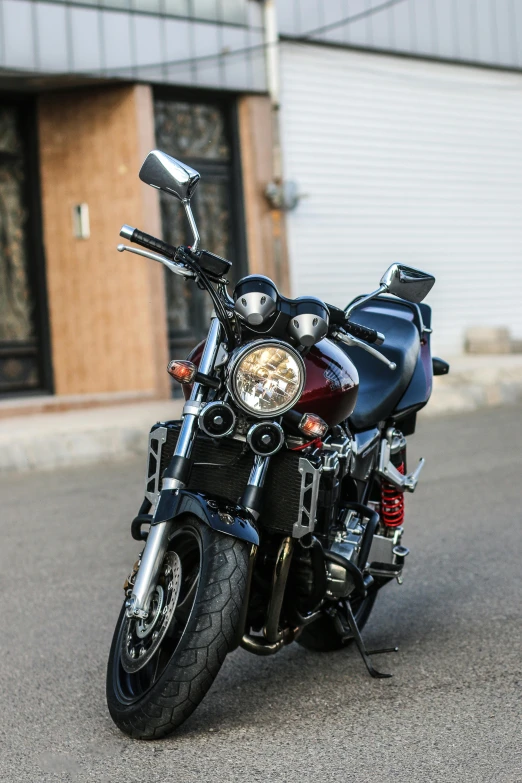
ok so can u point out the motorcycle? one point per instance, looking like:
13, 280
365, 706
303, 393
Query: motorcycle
273, 510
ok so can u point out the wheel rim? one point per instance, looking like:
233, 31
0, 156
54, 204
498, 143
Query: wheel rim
132, 682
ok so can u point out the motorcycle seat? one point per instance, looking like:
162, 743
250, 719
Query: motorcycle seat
380, 389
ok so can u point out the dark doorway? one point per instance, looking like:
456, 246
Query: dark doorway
202, 133
24, 347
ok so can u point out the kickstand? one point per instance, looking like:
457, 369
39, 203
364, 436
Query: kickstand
365, 654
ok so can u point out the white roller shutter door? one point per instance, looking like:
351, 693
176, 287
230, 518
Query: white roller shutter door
405, 160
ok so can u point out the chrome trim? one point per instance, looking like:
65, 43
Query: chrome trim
206, 366
192, 222
127, 231
348, 339
208, 407
276, 426
158, 435
407, 282
255, 307
258, 471
172, 483
193, 406
239, 354
177, 269
307, 328
151, 560
257, 477
308, 498
354, 305
387, 470
383, 549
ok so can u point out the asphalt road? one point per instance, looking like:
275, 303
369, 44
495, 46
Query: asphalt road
451, 712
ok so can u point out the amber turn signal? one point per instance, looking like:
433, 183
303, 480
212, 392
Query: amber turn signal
313, 426
181, 370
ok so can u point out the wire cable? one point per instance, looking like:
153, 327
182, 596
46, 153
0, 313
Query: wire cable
306, 36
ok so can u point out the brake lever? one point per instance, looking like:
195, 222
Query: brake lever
178, 269
355, 342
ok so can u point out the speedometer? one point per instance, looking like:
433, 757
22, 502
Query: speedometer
266, 377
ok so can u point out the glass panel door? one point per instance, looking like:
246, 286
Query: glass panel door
20, 360
200, 134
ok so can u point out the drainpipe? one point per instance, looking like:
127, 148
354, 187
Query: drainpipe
274, 189
272, 78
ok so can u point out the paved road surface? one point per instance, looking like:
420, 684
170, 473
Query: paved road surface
452, 711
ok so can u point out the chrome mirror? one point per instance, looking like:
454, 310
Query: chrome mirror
168, 174
407, 283
172, 176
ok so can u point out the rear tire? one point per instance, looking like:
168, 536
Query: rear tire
153, 702
322, 636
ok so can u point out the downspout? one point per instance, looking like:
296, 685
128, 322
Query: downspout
274, 189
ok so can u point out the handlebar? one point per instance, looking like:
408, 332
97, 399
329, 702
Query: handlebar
363, 333
338, 320
148, 241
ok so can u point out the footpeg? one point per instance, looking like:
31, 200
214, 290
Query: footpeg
388, 471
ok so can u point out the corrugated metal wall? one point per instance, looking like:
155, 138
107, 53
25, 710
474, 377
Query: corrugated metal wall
119, 39
405, 160
479, 31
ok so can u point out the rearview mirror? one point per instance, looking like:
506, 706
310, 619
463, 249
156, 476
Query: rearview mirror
408, 283
170, 175
174, 177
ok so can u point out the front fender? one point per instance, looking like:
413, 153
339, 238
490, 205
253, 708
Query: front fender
220, 514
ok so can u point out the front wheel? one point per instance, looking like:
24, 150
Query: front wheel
161, 668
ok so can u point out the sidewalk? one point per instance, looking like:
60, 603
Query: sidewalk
76, 437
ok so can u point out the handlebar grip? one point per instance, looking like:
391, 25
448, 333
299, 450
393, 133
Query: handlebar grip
363, 333
148, 241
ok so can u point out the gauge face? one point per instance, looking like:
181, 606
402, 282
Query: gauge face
267, 378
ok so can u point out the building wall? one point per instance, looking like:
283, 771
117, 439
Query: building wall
265, 227
201, 43
486, 32
107, 310
405, 160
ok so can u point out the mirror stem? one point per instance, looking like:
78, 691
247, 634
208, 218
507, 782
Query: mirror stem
381, 290
193, 227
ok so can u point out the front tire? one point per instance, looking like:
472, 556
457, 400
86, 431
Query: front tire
152, 702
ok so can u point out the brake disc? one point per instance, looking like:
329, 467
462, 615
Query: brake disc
142, 637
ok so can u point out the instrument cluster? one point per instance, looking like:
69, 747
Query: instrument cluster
262, 310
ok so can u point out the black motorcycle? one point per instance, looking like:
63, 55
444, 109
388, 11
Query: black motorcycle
273, 509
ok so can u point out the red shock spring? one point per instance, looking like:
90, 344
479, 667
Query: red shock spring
392, 502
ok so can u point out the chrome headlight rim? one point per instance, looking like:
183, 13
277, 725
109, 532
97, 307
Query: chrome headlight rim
237, 357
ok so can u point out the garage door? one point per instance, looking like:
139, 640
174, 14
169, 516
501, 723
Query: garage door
405, 160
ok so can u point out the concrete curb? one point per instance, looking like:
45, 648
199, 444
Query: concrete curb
81, 437
52, 440
477, 382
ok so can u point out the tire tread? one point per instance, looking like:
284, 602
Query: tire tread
210, 635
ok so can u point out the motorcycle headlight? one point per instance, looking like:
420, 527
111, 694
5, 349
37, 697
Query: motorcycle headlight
266, 377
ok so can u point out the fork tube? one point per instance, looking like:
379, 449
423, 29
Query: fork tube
175, 477
251, 498
176, 474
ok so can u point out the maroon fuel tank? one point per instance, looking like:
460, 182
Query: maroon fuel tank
331, 384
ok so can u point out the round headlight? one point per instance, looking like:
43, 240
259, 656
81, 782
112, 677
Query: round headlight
266, 377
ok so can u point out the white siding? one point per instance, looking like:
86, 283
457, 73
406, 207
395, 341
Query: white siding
405, 160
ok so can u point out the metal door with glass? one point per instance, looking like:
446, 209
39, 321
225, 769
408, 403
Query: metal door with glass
202, 135
22, 289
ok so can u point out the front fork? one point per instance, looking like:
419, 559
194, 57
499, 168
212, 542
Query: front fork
175, 477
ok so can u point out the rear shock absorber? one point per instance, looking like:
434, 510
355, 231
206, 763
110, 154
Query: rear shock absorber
392, 498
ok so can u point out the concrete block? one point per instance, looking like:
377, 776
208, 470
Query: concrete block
487, 340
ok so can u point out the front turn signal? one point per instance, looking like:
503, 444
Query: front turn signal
182, 370
313, 426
